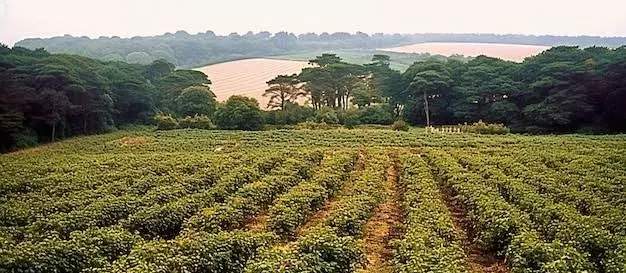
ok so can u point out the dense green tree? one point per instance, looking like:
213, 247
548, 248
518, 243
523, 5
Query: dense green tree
482, 90
239, 113
329, 84
282, 90
429, 84
196, 100
45, 97
172, 85
388, 84
363, 93
325, 60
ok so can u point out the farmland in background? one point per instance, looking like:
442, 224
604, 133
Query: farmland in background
248, 77
511, 52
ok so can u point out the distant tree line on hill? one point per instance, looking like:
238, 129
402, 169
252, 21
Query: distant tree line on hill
563, 90
44, 97
187, 50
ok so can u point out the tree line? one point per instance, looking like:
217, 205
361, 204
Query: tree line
562, 90
44, 97
192, 50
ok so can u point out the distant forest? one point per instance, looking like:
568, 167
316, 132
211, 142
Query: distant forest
46, 96
187, 50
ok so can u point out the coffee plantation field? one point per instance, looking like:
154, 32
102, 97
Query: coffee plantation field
361, 200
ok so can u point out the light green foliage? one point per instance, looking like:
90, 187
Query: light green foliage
293, 208
311, 125
196, 122
165, 122
481, 127
400, 125
191, 200
431, 242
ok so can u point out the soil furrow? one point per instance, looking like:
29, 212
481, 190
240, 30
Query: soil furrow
384, 226
478, 259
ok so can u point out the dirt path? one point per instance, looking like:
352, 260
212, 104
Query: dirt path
258, 223
478, 259
384, 226
317, 218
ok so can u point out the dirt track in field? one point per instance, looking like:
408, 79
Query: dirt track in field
258, 223
478, 260
384, 226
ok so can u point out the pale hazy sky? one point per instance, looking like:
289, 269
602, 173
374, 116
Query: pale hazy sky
21, 19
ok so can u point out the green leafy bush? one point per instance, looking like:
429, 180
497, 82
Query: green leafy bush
400, 125
293, 208
197, 122
196, 100
528, 253
326, 115
26, 138
292, 114
239, 113
375, 115
166, 122
429, 227
484, 128
322, 250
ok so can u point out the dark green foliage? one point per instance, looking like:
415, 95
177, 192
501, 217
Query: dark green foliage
44, 97
239, 113
564, 89
196, 100
326, 115
379, 114
291, 114
329, 83
283, 90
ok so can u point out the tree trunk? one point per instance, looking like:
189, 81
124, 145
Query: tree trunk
426, 110
339, 102
85, 124
54, 129
282, 101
